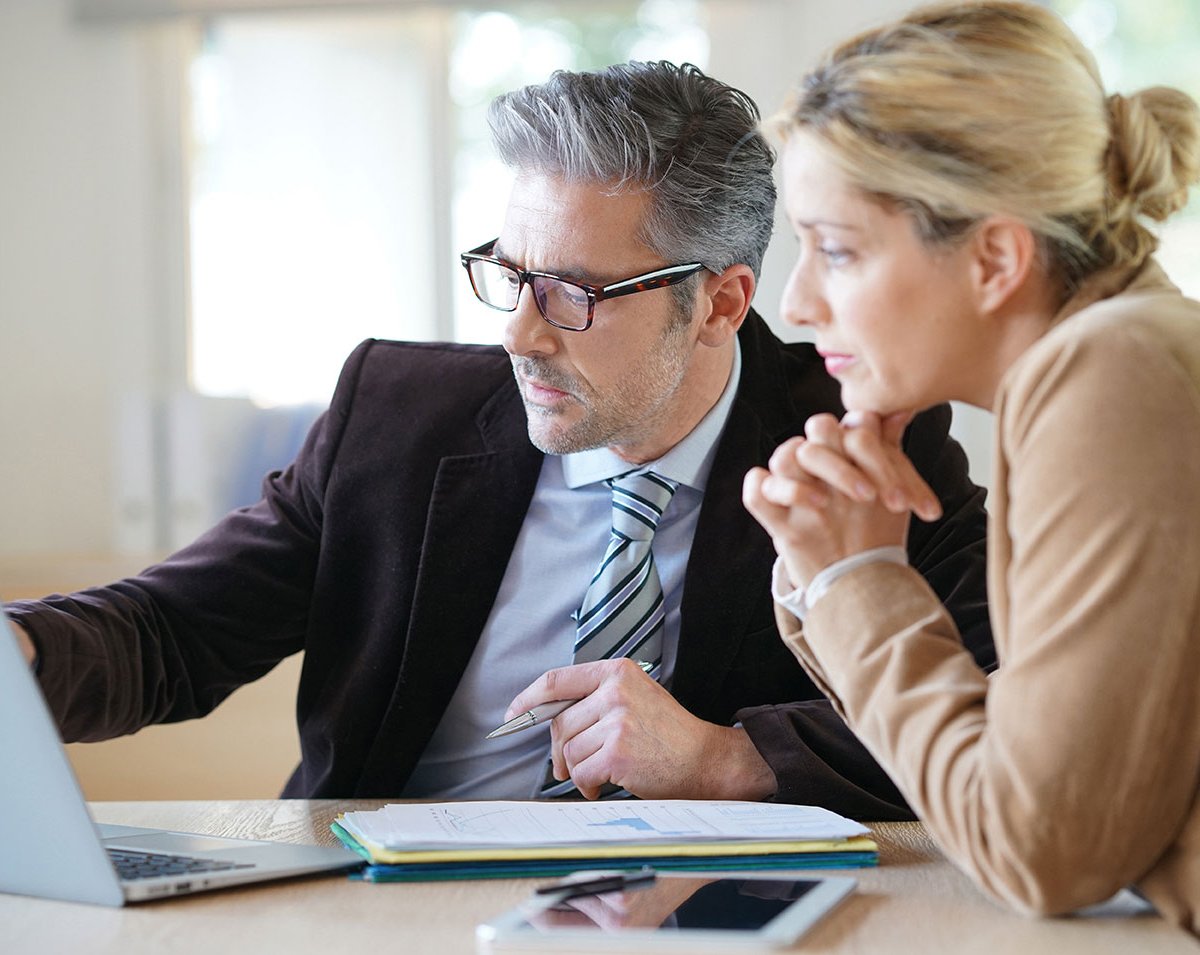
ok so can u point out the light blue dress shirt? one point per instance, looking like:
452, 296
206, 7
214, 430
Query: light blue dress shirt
530, 629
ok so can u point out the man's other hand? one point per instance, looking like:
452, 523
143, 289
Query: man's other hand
626, 729
25, 644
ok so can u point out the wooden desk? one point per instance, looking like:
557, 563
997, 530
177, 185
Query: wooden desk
914, 902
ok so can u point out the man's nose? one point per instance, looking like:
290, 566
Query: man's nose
526, 332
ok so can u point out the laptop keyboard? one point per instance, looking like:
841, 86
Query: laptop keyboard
150, 865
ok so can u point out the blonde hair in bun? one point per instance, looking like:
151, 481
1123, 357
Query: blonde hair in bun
1153, 158
963, 110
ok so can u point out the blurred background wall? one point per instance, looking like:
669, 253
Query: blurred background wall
204, 205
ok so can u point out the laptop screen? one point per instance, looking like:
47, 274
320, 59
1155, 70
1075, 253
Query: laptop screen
51, 848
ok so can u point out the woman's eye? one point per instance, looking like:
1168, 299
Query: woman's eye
836, 255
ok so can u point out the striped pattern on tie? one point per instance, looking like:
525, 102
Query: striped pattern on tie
622, 614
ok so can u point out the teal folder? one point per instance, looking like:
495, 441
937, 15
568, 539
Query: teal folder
537, 868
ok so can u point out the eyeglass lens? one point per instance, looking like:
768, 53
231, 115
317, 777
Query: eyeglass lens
561, 302
496, 285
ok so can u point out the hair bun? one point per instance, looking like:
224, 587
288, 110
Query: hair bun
1154, 153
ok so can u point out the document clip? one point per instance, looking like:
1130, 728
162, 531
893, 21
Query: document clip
595, 883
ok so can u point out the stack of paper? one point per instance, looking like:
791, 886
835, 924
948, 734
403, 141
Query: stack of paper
465, 840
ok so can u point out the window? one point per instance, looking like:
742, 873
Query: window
320, 208
310, 199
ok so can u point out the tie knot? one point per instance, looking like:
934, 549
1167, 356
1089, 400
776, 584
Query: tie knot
638, 502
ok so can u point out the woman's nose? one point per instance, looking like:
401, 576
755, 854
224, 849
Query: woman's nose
802, 304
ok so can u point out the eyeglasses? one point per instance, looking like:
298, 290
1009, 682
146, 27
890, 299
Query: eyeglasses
563, 303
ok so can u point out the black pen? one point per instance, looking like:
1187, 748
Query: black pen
597, 883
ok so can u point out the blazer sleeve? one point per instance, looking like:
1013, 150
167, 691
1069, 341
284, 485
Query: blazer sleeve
817, 760
1063, 776
174, 641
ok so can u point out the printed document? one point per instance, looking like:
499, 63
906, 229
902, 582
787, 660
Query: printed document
462, 825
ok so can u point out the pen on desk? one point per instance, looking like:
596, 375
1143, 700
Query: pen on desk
544, 712
601, 882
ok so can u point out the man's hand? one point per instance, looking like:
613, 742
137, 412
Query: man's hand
24, 643
628, 730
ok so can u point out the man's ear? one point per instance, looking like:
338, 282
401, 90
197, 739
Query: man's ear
726, 296
1004, 256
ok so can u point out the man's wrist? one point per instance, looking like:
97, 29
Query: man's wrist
742, 771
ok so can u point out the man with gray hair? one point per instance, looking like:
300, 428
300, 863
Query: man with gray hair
471, 533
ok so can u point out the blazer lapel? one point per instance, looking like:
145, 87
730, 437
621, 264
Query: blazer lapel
724, 595
721, 594
475, 513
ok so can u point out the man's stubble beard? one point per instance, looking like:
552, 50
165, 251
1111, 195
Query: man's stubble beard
633, 411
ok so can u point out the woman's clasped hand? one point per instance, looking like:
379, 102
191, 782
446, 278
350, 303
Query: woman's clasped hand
843, 488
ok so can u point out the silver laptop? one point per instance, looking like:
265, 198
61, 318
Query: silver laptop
51, 847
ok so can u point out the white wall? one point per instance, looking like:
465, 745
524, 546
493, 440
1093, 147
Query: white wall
81, 303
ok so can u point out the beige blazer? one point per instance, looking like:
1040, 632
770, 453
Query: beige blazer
1074, 769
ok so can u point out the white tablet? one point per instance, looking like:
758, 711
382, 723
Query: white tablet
678, 910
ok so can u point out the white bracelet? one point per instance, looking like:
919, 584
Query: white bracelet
799, 600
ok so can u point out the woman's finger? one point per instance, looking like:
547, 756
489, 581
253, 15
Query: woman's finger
894, 426
885, 467
833, 468
824, 429
794, 492
771, 499
874, 447
783, 458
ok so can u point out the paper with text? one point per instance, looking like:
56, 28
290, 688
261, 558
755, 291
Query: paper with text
412, 826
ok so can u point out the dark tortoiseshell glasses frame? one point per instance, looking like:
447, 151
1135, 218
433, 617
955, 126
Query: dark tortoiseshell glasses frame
482, 257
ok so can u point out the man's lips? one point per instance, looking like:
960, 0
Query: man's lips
543, 394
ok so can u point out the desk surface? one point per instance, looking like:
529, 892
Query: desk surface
914, 902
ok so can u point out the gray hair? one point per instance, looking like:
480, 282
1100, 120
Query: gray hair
691, 141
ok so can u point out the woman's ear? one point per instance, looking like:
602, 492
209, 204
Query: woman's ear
1004, 255
727, 297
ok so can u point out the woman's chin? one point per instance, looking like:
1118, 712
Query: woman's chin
858, 400
877, 401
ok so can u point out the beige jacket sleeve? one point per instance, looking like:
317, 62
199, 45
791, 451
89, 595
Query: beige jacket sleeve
1066, 774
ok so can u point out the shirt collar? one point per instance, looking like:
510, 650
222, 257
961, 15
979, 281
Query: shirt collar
689, 462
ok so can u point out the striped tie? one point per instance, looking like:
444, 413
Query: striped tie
622, 613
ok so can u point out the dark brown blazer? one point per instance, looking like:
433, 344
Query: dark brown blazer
379, 552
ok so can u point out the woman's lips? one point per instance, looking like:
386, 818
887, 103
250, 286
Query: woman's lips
836, 362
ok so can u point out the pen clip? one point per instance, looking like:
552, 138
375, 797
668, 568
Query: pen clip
597, 883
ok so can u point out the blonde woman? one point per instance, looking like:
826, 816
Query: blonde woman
970, 209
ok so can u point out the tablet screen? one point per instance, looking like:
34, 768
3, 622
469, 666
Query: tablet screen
735, 904
675, 908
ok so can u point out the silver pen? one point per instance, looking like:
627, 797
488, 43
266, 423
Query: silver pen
543, 712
